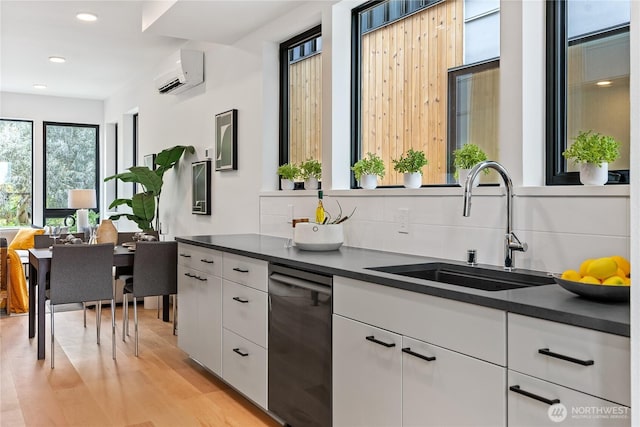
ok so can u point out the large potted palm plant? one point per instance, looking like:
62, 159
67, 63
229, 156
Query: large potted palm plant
145, 206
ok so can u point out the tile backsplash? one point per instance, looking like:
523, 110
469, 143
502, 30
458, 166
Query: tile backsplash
560, 231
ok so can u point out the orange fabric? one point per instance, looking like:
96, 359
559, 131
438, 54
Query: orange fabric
19, 295
24, 238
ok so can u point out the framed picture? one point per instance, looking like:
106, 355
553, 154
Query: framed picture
201, 187
150, 161
227, 140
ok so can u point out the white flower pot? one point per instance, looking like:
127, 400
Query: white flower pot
287, 184
368, 182
413, 180
594, 174
462, 177
311, 183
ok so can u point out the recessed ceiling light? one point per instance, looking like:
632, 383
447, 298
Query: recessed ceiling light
603, 83
39, 86
88, 17
57, 59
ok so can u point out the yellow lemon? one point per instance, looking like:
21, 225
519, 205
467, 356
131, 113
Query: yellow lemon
623, 264
613, 281
572, 275
602, 268
589, 279
584, 266
620, 273
627, 281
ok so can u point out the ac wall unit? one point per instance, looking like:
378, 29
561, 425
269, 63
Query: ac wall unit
187, 72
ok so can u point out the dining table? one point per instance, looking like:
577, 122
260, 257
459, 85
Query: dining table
40, 266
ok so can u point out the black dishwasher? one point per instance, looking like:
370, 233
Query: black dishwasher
300, 309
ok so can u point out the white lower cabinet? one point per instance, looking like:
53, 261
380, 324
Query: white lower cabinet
534, 402
441, 387
200, 317
367, 375
385, 379
244, 364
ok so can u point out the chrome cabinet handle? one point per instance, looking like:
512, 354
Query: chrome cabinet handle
549, 353
385, 344
185, 255
242, 300
240, 352
240, 270
418, 355
517, 389
207, 261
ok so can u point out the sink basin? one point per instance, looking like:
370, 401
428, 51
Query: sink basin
486, 279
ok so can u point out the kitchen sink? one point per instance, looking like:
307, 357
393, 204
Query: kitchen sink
486, 279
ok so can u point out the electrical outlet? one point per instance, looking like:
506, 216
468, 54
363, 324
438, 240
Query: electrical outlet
403, 220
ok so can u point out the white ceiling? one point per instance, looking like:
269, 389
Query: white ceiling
104, 55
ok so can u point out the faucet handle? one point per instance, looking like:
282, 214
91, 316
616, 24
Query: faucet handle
516, 245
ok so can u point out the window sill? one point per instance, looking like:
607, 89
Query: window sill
548, 191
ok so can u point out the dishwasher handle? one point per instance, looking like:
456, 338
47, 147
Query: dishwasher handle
304, 284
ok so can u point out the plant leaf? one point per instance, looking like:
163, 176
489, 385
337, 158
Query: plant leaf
148, 178
144, 206
124, 177
118, 202
167, 158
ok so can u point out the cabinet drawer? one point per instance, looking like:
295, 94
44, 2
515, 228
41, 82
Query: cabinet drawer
467, 328
574, 408
244, 366
244, 311
247, 271
206, 260
583, 359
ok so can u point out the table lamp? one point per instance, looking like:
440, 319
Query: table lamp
82, 200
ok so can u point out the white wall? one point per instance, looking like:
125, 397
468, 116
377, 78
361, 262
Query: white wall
40, 108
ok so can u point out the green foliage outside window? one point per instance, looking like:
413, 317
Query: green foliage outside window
16, 140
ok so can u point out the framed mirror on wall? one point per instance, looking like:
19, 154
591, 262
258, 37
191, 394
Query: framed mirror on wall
201, 187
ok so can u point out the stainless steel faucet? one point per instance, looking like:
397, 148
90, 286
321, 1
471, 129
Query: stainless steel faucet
511, 242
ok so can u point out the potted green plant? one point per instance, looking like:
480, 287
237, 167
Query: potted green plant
593, 152
466, 157
367, 170
311, 173
410, 164
145, 206
288, 173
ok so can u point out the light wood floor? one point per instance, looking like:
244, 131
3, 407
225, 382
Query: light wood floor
88, 388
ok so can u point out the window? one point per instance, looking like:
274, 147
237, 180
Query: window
301, 98
473, 116
403, 52
588, 70
16, 172
71, 162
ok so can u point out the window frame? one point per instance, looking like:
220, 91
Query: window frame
63, 212
32, 157
310, 34
556, 97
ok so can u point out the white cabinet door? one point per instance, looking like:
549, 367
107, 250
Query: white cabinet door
367, 375
444, 388
533, 402
200, 317
187, 311
245, 312
210, 323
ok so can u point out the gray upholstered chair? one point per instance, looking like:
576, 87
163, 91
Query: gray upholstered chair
81, 273
154, 273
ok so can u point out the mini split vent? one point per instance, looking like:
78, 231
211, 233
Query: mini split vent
187, 73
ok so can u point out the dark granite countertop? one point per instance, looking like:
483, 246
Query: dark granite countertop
550, 302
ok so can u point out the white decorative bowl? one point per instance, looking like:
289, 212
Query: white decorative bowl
310, 236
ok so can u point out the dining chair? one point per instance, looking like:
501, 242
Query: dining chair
81, 273
154, 273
